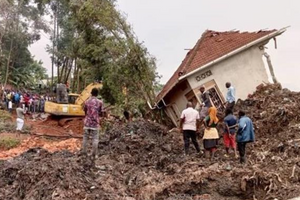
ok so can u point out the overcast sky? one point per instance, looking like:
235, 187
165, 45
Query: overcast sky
167, 27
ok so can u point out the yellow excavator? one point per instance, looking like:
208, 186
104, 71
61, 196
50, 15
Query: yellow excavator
69, 104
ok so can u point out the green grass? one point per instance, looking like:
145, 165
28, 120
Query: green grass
4, 115
7, 127
9, 143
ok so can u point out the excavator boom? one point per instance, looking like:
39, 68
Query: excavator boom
86, 93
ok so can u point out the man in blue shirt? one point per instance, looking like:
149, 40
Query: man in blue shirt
245, 134
17, 98
230, 96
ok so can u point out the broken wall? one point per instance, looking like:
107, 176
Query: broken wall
177, 101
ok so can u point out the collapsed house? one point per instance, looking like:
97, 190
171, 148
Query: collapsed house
217, 58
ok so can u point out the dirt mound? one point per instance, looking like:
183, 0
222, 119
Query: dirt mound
272, 109
39, 174
72, 128
274, 156
141, 160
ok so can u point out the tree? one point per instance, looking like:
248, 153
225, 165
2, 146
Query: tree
20, 23
94, 42
114, 52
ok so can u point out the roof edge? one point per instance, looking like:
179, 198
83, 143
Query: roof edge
267, 37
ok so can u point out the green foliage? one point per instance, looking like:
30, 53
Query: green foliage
158, 87
20, 23
106, 93
9, 143
96, 43
113, 52
91, 40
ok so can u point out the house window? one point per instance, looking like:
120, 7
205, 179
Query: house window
216, 99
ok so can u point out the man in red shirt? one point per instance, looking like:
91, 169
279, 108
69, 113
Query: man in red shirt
26, 101
92, 108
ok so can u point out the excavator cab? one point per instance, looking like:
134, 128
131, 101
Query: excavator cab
69, 104
72, 98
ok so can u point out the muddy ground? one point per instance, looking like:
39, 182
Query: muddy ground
142, 160
41, 131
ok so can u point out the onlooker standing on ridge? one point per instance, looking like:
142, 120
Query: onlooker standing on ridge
230, 96
245, 134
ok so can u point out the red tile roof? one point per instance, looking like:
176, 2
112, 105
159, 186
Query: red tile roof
210, 46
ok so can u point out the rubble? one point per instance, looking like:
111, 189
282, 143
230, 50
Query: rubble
141, 160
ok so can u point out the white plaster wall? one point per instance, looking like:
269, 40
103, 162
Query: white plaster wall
244, 70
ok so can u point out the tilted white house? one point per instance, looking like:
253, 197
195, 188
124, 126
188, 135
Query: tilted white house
217, 58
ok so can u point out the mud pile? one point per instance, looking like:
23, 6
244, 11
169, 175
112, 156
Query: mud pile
141, 160
272, 109
274, 157
38, 174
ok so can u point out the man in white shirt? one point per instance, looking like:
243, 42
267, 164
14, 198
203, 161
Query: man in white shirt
189, 124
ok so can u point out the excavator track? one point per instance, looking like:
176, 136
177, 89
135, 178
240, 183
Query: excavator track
62, 122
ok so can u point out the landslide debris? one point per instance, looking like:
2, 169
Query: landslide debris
274, 157
141, 160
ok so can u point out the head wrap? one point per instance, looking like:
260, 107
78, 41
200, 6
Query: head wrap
212, 111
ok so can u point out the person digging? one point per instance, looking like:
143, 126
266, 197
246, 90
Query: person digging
230, 96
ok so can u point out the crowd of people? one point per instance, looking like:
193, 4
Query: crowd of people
24, 102
30, 102
236, 131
